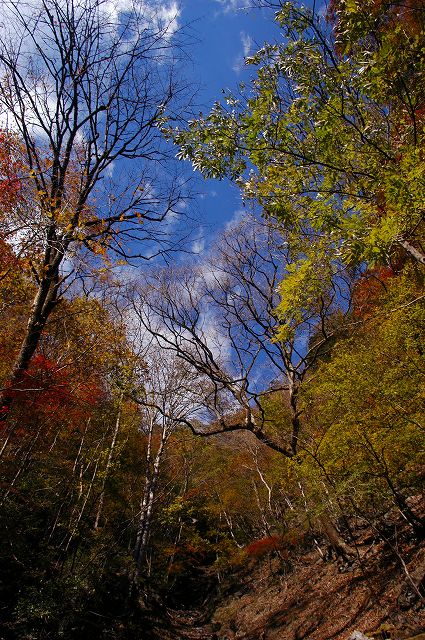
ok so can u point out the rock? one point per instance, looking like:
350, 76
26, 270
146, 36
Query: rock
407, 598
358, 635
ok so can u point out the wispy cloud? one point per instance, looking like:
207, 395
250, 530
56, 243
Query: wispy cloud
18, 20
198, 245
235, 220
234, 5
215, 337
156, 13
208, 194
247, 43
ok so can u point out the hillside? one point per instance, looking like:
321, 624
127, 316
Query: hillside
323, 600
301, 594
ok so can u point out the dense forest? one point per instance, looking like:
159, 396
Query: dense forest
184, 434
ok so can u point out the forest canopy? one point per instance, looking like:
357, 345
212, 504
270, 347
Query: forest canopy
163, 423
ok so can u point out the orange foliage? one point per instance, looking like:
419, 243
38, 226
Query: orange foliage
9, 262
49, 390
11, 167
369, 289
262, 547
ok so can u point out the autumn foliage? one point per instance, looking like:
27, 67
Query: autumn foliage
264, 546
134, 472
369, 289
11, 171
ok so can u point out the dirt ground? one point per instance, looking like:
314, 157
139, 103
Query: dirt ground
303, 593
380, 594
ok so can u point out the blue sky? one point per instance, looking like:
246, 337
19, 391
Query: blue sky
223, 33
219, 33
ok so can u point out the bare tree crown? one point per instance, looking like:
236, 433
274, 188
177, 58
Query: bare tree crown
86, 85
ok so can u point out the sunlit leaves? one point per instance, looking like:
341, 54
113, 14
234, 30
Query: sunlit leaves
324, 140
366, 404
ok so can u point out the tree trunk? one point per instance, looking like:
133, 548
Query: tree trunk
412, 251
75, 525
148, 497
416, 522
295, 413
44, 302
337, 544
108, 464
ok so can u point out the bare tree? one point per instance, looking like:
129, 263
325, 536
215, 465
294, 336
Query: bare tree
219, 317
87, 89
167, 395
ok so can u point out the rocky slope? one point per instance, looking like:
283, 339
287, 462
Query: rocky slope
301, 593
380, 594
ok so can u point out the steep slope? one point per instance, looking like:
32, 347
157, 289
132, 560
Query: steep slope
379, 594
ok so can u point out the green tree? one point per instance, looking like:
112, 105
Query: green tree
365, 410
328, 138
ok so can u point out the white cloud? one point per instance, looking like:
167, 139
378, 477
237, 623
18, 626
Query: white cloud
159, 14
39, 107
208, 328
234, 5
215, 338
247, 43
237, 217
238, 64
208, 194
110, 170
211, 275
198, 245
153, 13
19, 20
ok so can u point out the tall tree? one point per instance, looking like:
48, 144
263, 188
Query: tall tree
219, 317
328, 136
167, 398
86, 87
